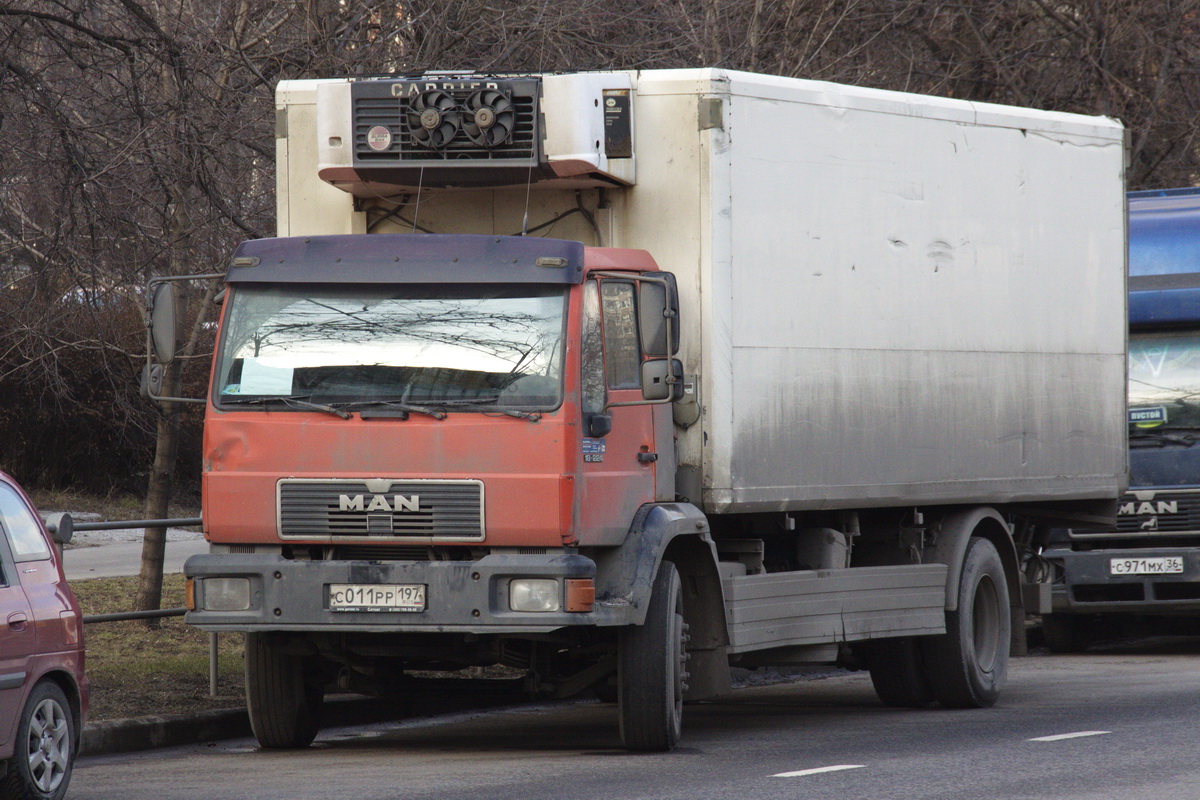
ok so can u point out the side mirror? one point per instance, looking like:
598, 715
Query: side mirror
166, 322
599, 425
658, 313
662, 379
151, 383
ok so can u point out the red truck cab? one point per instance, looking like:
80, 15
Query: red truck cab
428, 434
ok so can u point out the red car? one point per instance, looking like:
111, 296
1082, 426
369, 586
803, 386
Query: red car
43, 691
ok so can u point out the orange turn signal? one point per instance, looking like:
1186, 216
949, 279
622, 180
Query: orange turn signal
189, 596
581, 594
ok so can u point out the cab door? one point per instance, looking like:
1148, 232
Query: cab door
31, 599
17, 642
618, 471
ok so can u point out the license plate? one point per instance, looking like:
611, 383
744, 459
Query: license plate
377, 597
1165, 565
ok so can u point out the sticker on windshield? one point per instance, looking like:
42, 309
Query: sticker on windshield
259, 377
593, 450
1148, 417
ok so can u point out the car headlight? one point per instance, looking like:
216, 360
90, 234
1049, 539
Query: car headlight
534, 594
226, 594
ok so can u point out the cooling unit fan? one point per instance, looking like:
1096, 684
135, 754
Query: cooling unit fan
489, 118
433, 119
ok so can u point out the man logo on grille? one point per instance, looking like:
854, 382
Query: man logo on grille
1162, 507
379, 502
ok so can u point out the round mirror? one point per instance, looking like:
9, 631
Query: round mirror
164, 322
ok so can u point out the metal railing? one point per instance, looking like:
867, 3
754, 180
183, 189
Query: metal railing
122, 616
62, 528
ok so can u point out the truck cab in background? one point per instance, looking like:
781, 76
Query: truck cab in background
1145, 575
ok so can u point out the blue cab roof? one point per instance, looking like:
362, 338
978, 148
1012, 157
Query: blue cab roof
1164, 257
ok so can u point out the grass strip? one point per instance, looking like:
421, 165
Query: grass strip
138, 669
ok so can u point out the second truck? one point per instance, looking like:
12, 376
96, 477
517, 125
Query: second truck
1143, 576
623, 378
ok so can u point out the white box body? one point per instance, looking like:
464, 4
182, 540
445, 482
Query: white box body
887, 299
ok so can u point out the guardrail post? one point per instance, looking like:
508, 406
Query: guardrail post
212, 664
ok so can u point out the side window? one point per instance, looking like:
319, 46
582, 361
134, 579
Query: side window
21, 526
593, 352
622, 351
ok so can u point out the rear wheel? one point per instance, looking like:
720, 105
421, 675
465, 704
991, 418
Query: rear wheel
1064, 634
967, 666
651, 674
44, 754
897, 673
283, 700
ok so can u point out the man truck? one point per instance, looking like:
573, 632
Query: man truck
619, 379
1145, 574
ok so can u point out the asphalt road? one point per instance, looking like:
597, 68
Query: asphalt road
1115, 724
111, 559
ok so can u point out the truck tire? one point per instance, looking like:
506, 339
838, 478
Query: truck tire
284, 704
968, 664
1064, 634
44, 751
651, 675
897, 673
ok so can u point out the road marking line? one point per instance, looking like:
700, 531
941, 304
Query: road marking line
1061, 736
817, 771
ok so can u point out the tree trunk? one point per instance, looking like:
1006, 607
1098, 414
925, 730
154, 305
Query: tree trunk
158, 496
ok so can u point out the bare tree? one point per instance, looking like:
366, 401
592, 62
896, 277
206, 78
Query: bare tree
136, 139
150, 123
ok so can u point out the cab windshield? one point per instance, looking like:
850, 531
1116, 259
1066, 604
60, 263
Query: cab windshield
472, 347
1164, 380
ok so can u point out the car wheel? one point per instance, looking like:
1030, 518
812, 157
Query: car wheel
40, 768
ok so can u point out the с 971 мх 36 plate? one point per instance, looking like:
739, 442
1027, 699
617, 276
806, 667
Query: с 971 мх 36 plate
1164, 565
376, 597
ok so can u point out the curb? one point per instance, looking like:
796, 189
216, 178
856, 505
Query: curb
146, 733
430, 698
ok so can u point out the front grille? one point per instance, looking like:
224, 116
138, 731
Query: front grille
380, 511
1150, 513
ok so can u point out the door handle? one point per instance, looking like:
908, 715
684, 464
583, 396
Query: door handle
17, 620
647, 458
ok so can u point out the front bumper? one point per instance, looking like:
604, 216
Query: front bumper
1090, 587
460, 596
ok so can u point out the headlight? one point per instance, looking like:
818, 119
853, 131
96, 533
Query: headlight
226, 594
534, 594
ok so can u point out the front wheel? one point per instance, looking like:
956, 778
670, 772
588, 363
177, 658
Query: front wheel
283, 699
44, 755
968, 664
651, 674
1064, 633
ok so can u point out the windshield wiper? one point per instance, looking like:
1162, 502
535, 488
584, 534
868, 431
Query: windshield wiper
438, 408
400, 406
1160, 437
291, 401
484, 406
